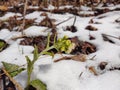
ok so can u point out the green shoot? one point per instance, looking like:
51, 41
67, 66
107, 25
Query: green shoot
62, 45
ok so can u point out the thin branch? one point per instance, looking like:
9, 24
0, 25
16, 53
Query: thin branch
80, 74
74, 21
59, 23
64, 21
111, 36
92, 58
19, 87
24, 13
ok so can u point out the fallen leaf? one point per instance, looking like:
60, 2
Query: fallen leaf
91, 28
102, 65
80, 57
47, 22
3, 8
105, 38
87, 48
71, 28
91, 37
82, 47
92, 69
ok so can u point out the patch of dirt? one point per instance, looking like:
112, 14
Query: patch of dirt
13, 22
82, 47
40, 42
91, 28
47, 22
71, 29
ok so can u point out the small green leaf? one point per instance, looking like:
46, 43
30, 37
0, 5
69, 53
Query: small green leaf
48, 41
29, 68
15, 73
49, 53
29, 62
12, 69
29, 65
39, 85
3, 44
35, 57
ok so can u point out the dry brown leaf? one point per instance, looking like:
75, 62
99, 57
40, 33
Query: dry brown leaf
47, 22
43, 14
91, 28
3, 8
80, 57
92, 69
102, 65
88, 48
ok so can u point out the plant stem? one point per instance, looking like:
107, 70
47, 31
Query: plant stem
47, 49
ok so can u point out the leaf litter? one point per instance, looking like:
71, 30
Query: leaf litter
83, 48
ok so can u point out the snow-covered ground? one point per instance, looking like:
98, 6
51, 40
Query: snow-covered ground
66, 74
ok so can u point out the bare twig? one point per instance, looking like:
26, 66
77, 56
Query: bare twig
60, 23
92, 58
80, 74
118, 19
111, 36
80, 57
19, 87
18, 37
74, 21
64, 21
93, 70
24, 13
63, 58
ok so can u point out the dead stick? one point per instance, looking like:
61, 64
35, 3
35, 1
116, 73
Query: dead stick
60, 23
25, 9
63, 58
17, 37
19, 87
24, 13
112, 36
74, 21
64, 21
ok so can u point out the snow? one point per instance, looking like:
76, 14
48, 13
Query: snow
65, 75
9, 14
33, 15
35, 31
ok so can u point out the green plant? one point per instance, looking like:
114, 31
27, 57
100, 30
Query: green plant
3, 44
61, 45
12, 69
30, 65
64, 45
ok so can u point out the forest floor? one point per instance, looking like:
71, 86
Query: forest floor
95, 33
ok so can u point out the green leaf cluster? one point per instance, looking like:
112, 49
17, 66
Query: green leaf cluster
39, 85
30, 64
